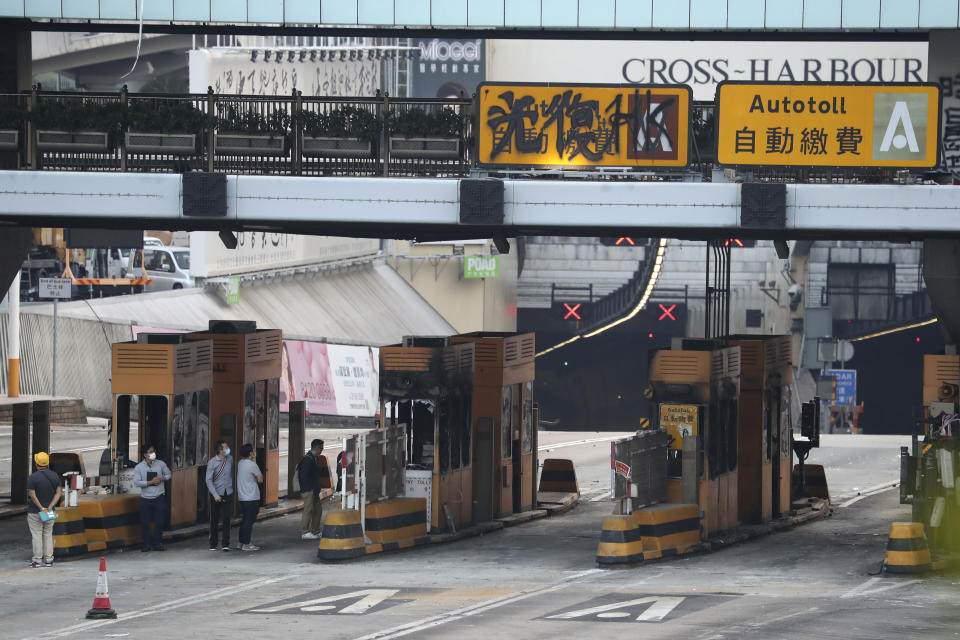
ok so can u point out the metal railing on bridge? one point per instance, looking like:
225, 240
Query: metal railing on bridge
311, 136
276, 135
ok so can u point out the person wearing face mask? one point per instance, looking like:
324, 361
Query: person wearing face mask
150, 475
220, 486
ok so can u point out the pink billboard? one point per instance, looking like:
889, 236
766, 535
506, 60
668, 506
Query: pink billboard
333, 379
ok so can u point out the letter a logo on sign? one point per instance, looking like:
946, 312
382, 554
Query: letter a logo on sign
899, 126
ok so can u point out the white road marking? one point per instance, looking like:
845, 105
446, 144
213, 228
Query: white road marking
866, 493
162, 607
365, 600
866, 589
458, 614
869, 490
786, 617
660, 608
573, 443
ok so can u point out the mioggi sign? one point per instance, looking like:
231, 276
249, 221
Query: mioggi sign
533, 125
828, 125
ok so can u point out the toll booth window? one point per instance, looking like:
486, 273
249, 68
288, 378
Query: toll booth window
444, 436
122, 428
273, 414
190, 445
767, 427
154, 424
260, 440
203, 426
506, 424
178, 438
420, 423
466, 403
786, 424
526, 430
716, 441
732, 421
249, 414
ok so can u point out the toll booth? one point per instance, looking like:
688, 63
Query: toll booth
245, 402
696, 394
504, 431
427, 385
765, 427
165, 380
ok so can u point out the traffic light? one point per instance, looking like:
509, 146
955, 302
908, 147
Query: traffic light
620, 241
810, 421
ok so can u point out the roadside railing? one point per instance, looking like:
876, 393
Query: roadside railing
275, 135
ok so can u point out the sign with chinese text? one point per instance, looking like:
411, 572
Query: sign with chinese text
481, 267
828, 125
680, 421
583, 125
845, 387
55, 288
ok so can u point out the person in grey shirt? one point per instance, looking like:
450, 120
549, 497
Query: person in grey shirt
248, 493
220, 486
150, 475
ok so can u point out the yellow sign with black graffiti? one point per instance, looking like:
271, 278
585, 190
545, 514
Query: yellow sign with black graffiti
539, 125
680, 421
828, 125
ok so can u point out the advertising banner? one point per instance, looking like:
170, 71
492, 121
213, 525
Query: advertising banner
680, 421
828, 125
279, 72
336, 380
702, 65
447, 68
583, 125
263, 250
481, 267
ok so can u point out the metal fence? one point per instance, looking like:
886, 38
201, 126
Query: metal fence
276, 135
638, 470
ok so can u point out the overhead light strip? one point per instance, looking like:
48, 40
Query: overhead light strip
895, 330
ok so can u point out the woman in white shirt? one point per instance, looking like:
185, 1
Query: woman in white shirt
249, 477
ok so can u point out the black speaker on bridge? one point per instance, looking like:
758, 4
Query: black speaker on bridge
204, 195
481, 201
763, 205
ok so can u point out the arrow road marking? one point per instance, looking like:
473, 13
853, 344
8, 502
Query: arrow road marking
660, 607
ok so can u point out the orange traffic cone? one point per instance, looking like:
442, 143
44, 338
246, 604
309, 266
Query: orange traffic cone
101, 603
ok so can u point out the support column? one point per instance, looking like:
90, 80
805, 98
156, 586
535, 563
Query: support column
21, 459
16, 70
941, 273
13, 338
296, 441
41, 426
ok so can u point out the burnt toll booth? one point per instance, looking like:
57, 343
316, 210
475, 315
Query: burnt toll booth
504, 430
164, 382
765, 427
427, 385
696, 393
245, 400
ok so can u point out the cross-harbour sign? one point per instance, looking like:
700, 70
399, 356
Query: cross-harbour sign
828, 125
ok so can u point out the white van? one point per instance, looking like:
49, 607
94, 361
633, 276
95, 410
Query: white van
168, 267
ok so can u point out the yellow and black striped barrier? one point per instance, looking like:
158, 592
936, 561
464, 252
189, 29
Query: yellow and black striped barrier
907, 550
69, 533
620, 541
644, 423
648, 392
558, 475
668, 529
111, 521
341, 536
815, 482
401, 519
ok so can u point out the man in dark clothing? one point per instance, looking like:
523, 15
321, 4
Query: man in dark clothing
43, 493
309, 474
220, 486
150, 475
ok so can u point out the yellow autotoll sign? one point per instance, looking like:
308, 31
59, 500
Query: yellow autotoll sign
680, 421
828, 125
539, 125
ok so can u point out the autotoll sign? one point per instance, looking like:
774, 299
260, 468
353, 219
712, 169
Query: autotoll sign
481, 267
583, 125
828, 125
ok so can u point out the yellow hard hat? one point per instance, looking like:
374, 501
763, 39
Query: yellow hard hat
42, 459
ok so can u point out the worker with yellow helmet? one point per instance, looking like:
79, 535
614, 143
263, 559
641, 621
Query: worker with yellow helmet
43, 492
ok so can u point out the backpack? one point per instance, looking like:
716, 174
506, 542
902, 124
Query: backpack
297, 488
